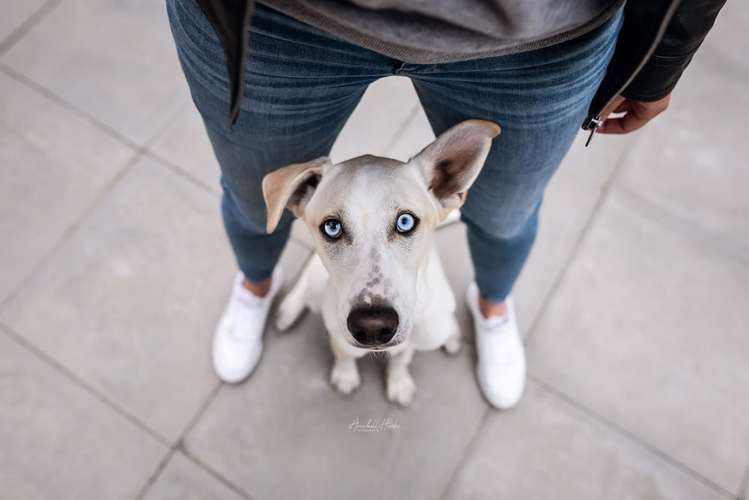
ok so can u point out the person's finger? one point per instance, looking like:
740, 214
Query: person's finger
637, 115
623, 125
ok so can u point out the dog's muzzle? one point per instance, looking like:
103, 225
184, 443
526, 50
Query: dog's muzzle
372, 326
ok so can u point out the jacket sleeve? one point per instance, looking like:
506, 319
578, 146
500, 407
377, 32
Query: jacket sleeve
684, 34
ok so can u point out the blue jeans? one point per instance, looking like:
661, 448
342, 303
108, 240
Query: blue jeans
301, 85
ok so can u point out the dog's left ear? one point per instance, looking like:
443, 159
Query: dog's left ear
453, 161
290, 187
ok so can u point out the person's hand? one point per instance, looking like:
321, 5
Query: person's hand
635, 114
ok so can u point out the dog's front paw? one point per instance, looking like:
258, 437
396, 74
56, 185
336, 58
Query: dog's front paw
452, 345
345, 379
401, 388
284, 319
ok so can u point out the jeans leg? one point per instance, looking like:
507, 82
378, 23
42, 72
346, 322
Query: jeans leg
301, 85
539, 98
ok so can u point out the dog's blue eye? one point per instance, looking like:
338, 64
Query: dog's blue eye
332, 228
405, 223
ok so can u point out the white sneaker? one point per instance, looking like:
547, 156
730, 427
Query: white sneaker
500, 352
238, 340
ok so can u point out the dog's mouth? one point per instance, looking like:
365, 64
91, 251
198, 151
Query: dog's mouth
376, 348
395, 341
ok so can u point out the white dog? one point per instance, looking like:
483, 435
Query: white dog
376, 277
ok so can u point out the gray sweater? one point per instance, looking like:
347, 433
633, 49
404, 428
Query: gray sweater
436, 31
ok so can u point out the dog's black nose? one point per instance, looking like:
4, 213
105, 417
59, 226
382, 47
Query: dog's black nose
372, 325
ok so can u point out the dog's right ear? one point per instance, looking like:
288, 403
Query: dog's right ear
290, 187
453, 161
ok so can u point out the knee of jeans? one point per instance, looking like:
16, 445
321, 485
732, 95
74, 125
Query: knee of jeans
500, 225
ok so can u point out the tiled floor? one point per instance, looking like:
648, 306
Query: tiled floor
115, 269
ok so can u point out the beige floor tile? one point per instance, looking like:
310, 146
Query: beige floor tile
129, 303
59, 441
416, 136
53, 166
569, 202
568, 205
182, 479
648, 329
726, 42
595, 165
185, 144
691, 161
15, 12
285, 433
374, 124
114, 60
546, 448
645, 330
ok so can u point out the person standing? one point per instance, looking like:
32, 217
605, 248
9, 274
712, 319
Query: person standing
276, 80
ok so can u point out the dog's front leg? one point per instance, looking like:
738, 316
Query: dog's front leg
345, 374
452, 344
400, 386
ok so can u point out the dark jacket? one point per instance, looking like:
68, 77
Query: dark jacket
656, 43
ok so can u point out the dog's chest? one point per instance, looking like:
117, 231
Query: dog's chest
435, 321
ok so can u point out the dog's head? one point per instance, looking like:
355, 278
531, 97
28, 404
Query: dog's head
373, 221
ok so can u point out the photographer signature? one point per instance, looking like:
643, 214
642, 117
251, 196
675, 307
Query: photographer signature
373, 425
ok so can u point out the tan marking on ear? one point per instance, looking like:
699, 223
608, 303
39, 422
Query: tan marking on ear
287, 187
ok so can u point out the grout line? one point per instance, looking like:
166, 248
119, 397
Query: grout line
199, 413
27, 25
670, 220
469, 449
72, 228
587, 225
139, 153
178, 446
69, 107
173, 167
236, 489
56, 365
154, 476
181, 172
611, 425
605, 190
91, 119
161, 129
744, 487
